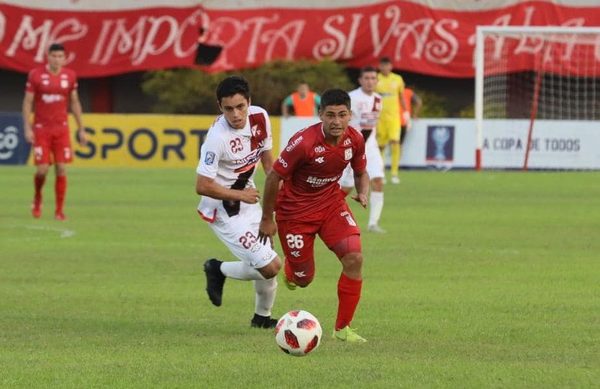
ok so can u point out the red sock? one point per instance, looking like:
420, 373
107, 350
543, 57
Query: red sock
60, 188
38, 184
348, 296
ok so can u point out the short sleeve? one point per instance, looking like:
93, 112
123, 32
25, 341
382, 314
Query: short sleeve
400, 85
210, 154
359, 158
75, 83
30, 84
290, 157
288, 100
269, 140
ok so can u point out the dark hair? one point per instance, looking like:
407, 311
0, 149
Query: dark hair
385, 60
233, 85
56, 47
367, 69
334, 97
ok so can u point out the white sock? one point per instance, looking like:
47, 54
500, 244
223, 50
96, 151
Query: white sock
265, 295
240, 271
376, 206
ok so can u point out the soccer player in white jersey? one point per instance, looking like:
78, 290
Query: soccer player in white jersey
366, 106
236, 142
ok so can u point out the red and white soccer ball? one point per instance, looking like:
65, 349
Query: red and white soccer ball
298, 333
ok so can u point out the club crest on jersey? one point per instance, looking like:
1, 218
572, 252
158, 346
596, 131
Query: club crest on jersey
209, 158
64, 84
348, 154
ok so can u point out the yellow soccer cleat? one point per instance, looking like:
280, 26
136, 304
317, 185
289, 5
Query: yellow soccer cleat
347, 334
289, 284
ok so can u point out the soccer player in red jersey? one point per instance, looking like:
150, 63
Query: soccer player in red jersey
49, 91
310, 202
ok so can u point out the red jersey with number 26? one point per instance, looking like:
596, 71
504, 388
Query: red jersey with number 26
51, 96
311, 168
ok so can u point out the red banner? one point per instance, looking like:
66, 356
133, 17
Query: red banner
100, 43
416, 37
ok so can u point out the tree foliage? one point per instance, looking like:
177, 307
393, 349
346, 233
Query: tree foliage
193, 91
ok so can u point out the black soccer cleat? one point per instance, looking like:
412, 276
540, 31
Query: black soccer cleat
259, 321
214, 281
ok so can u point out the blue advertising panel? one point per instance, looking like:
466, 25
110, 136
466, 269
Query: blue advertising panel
14, 150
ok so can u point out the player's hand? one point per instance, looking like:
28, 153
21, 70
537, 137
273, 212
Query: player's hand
266, 230
360, 198
250, 195
29, 137
82, 137
407, 120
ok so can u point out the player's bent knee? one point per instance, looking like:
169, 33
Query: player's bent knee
272, 269
352, 261
42, 169
350, 244
377, 184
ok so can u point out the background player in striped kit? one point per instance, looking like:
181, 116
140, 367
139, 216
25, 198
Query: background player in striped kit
366, 106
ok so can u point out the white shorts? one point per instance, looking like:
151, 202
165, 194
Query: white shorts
375, 166
239, 232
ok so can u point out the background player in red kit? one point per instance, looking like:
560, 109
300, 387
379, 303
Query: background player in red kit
311, 202
49, 91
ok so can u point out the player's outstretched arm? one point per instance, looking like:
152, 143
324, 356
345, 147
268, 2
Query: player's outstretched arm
206, 186
267, 161
267, 227
361, 182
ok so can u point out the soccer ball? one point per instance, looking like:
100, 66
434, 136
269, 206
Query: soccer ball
298, 333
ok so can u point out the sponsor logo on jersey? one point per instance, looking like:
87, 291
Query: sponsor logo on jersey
209, 158
368, 120
316, 182
348, 154
51, 98
283, 162
347, 142
320, 159
295, 253
251, 158
319, 149
293, 145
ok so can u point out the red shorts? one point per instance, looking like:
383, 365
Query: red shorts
297, 240
52, 145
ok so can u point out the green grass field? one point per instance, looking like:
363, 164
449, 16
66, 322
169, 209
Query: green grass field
485, 279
